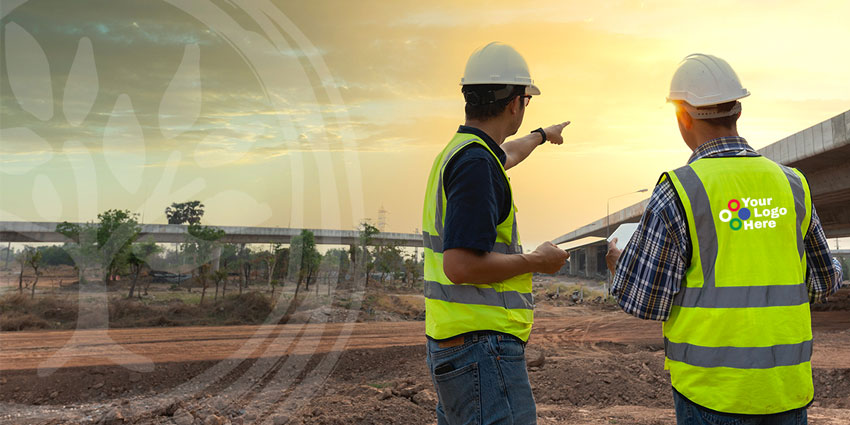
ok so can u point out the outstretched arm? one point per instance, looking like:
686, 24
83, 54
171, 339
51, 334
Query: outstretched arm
519, 149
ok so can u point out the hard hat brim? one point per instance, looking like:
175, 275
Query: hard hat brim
699, 102
532, 90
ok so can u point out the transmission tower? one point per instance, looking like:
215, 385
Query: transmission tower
382, 218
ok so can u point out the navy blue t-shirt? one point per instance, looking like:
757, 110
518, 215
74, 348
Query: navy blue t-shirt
477, 193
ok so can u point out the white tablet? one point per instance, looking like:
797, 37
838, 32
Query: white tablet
623, 234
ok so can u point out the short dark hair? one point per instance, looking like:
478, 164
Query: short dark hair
489, 110
725, 122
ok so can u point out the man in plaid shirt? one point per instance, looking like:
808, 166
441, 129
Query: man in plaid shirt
651, 267
650, 272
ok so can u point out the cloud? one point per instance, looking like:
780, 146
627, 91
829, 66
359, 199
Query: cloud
22, 150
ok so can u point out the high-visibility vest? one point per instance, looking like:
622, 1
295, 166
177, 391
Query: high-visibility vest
739, 335
453, 309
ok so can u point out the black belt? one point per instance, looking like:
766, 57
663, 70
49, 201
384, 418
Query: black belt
473, 336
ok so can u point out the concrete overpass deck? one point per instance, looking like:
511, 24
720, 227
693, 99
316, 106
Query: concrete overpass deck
15, 231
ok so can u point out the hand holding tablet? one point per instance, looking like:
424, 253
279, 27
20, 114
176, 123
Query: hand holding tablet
623, 234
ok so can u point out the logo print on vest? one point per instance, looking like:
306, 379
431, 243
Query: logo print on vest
744, 213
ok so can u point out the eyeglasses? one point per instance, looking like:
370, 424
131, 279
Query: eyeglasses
527, 99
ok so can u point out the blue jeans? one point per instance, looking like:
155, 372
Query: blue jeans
482, 380
690, 413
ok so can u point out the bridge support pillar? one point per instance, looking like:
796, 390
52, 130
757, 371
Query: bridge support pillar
352, 256
216, 258
590, 259
574, 262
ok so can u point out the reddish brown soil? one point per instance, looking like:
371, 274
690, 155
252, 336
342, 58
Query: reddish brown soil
600, 367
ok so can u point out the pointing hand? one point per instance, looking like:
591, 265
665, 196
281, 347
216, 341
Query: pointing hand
553, 133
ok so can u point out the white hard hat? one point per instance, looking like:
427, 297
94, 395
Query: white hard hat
705, 80
498, 63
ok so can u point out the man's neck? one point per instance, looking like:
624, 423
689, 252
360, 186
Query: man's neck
492, 128
711, 134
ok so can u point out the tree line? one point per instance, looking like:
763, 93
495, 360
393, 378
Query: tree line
112, 246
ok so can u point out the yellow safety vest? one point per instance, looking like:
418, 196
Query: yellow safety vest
739, 335
453, 309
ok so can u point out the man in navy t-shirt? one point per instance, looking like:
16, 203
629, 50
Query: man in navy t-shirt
478, 282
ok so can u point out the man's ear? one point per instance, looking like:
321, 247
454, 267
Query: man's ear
684, 117
514, 105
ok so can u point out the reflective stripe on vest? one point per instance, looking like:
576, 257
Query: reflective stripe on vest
738, 339
452, 309
468, 294
740, 357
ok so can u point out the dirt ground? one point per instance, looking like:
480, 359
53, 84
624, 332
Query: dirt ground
592, 365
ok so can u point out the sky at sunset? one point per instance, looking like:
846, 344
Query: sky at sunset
315, 114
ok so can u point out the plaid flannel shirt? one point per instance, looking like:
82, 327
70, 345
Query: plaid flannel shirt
653, 264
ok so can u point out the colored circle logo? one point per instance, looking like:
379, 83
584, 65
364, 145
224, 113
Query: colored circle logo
727, 216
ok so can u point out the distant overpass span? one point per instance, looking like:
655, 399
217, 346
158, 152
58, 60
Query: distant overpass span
19, 231
821, 152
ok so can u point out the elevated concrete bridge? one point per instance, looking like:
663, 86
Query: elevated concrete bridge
17, 231
821, 152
